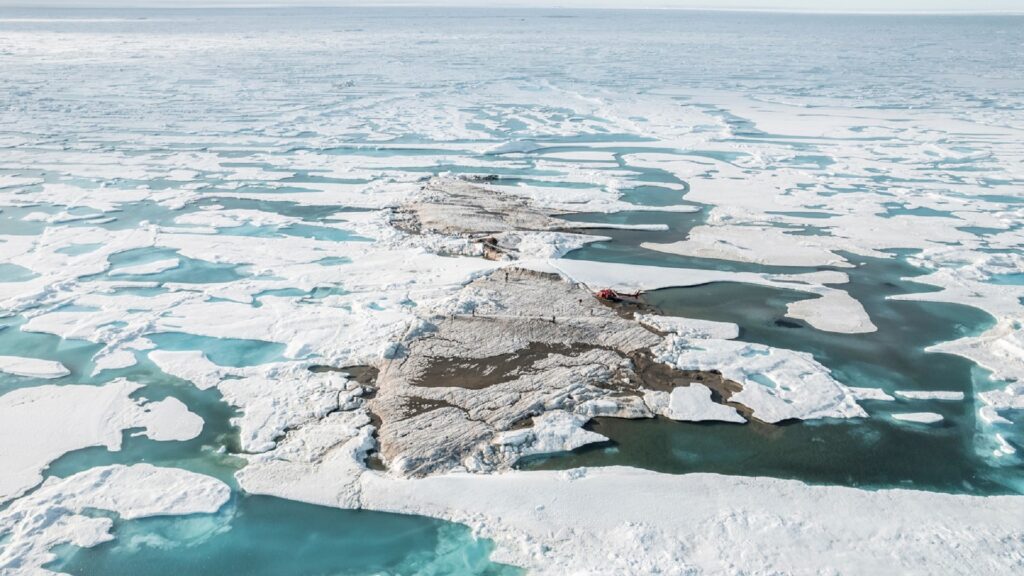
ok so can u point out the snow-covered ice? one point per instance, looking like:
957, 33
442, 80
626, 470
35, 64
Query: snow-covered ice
40, 424
930, 394
32, 367
691, 404
58, 512
918, 417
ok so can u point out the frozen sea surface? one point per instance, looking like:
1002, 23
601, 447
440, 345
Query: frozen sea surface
211, 180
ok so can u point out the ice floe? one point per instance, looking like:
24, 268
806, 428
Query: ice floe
930, 394
628, 521
691, 404
918, 417
778, 384
32, 367
60, 511
155, 267
40, 424
273, 397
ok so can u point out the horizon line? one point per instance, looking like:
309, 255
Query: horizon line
653, 7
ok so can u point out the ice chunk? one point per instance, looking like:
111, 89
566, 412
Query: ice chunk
930, 394
918, 417
38, 425
32, 367
56, 513
691, 404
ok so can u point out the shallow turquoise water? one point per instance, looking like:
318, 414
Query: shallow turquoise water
14, 273
76, 355
261, 536
189, 270
222, 351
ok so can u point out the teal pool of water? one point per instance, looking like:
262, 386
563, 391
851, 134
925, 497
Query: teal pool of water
223, 351
76, 355
255, 535
15, 273
1008, 279
263, 536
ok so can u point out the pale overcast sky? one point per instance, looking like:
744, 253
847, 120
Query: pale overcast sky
813, 5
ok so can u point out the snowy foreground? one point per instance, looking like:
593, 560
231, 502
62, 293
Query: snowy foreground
627, 521
311, 260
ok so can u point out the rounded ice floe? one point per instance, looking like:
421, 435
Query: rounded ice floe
691, 404
918, 417
833, 311
38, 425
55, 515
32, 367
169, 419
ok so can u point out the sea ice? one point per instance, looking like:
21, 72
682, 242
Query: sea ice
650, 523
691, 404
32, 367
918, 417
930, 394
778, 384
39, 424
154, 267
59, 511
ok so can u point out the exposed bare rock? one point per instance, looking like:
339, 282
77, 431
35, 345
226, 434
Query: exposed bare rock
457, 208
459, 218
532, 343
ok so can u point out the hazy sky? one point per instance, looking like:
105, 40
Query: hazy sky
825, 5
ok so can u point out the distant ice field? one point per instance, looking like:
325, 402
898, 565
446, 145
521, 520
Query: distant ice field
193, 211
